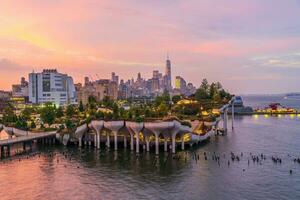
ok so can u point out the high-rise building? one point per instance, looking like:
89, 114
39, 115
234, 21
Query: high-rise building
20, 90
114, 78
51, 86
86, 81
98, 89
155, 74
4, 100
180, 84
168, 75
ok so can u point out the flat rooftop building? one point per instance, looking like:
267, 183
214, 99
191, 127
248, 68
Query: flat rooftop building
51, 86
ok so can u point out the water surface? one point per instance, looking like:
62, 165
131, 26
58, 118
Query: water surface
89, 174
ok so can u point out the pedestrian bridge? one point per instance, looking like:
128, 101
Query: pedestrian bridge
23, 137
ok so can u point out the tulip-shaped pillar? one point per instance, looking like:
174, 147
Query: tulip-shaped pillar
178, 128
157, 128
135, 128
131, 133
183, 131
225, 120
114, 127
182, 142
166, 138
107, 139
80, 131
125, 142
232, 114
97, 126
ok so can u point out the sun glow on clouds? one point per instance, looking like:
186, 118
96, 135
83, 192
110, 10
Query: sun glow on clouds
204, 38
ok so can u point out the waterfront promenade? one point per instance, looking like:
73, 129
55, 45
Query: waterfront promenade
28, 139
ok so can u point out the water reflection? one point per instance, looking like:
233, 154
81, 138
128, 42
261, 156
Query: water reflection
72, 173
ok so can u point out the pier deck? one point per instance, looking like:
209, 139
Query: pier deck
29, 137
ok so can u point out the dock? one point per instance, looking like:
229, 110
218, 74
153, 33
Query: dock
47, 137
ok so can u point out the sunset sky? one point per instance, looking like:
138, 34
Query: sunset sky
251, 46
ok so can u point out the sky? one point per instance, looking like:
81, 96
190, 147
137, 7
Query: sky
250, 46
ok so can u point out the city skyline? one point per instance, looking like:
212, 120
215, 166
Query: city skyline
249, 46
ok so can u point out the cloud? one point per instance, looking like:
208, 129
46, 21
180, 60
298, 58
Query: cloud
258, 77
7, 65
285, 61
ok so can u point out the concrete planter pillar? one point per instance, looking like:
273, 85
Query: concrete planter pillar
160, 128
131, 142
114, 127
135, 128
80, 142
107, 140
156, 144
147, 139
232, 115
182, 143
225, 120
125, 142
98, 140
80, 131
137, 143
115, 140
95, 140
165, 145
174, 143
97, 125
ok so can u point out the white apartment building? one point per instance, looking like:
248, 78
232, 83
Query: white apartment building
51, 86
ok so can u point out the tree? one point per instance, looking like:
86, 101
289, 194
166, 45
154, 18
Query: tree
69, 124
164, 98
115, 111
92, 102
59, 112
162, 109
70, 112
48, 114
92, 99
26, 113
129, 115
201, 94
32, 125
224, 94
212, 90
108, 116
204, 85
176, 98
99, 115
9, 115
81, 108
21, 123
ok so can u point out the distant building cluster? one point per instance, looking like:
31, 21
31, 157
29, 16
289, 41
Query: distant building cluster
154, 86
52, 86
98, 89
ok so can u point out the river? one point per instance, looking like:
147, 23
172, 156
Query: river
88, 174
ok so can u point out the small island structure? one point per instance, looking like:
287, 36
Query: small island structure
166, 121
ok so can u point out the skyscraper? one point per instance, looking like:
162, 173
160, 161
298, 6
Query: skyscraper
168, 76
114, 78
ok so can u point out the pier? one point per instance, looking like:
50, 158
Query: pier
46, 137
